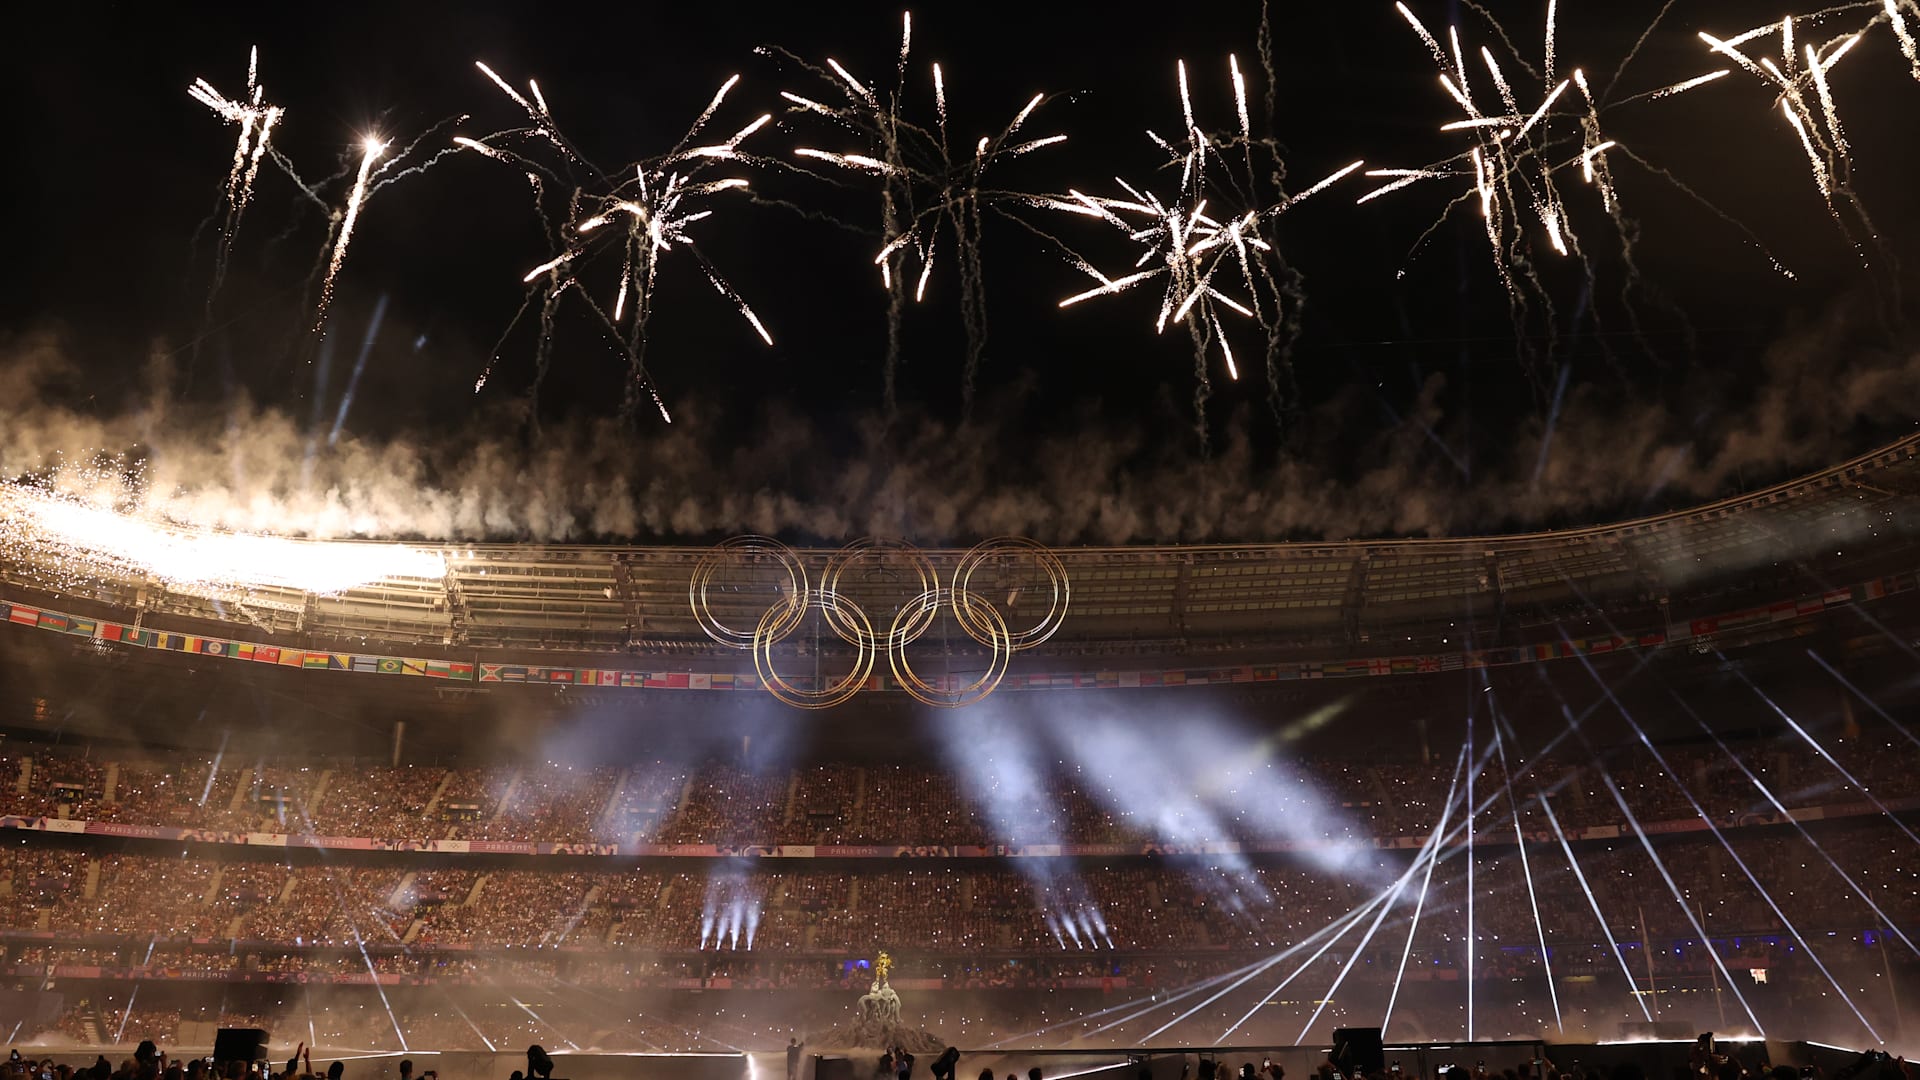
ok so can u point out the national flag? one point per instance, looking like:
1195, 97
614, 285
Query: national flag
489, 672
560, 675
23, 616
460, 670
1405, 665
1426, 663
314, 661
214, 647
1106, 679
441, 669
700, 680
1173, 678
1873, 590
389, 665
266, 654
368, 664
243, 650
1309, 671
634, 678
513, 673
409, 666
721, 680
84, 627
110, 631
1836, 597
53, 620
292, 658
656, 680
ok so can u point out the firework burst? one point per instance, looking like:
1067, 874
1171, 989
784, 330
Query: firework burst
639, 213
1803, 91
1211, 233
931, 191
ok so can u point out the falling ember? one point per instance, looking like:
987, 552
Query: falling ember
1683, 87
373, 149
1907, 44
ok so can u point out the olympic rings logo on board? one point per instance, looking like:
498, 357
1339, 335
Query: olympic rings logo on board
974, 614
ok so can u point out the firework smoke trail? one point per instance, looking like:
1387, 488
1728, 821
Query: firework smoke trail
373, 148
641, 211
1183, 243
926, 192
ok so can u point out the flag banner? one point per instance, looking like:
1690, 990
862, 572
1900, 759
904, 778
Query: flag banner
1703, 627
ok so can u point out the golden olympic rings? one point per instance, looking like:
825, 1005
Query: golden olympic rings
791, 607
1004, 547
833, 693
871, 547
977, 616
946, 696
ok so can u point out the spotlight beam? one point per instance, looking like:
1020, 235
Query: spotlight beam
1333, 932
1421, 903
1871, 704
1787, 816
1430, 854
1680, 899
1593, 902
1706, 818
1822, 751
1526, 870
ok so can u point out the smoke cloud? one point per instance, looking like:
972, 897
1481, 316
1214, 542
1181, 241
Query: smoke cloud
1820, 394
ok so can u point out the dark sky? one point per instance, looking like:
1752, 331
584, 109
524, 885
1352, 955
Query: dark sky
119, 167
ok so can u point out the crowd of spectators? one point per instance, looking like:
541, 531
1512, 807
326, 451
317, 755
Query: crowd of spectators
1772, 882
924, 807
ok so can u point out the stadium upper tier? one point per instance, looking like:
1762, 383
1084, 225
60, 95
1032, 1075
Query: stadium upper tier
1854, 516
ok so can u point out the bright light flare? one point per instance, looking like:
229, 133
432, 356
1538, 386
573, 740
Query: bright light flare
93, 540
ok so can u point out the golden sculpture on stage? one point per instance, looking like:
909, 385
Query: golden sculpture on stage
881, 965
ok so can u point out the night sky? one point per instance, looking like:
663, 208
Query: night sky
1410, 369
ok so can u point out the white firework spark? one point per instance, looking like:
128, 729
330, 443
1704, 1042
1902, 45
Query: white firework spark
79, 539
371, 149
256, 121
926, 190
1198, 256
1816, 123
642, 210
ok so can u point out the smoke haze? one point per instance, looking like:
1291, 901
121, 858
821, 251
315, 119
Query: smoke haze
1821, 393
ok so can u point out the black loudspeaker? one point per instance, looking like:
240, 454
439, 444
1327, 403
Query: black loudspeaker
832, 1068
240, 1044
1358, 1050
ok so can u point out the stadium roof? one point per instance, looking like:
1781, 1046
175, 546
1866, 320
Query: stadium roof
578, 598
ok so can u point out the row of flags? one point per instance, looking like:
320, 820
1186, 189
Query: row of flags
1695, 631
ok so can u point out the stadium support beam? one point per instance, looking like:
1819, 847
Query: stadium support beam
1182, 579
456, 608
624, 591
1354, 600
